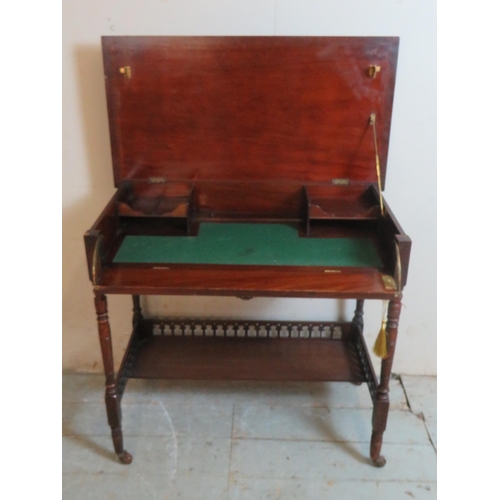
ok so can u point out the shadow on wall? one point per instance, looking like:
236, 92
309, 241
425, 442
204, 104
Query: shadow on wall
80, 342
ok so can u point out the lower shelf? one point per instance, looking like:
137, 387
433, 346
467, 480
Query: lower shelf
212, 358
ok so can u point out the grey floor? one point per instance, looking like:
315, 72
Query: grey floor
242, 441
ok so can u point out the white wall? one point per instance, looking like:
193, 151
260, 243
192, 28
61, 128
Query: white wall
411, 181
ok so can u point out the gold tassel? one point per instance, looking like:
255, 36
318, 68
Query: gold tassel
380, 346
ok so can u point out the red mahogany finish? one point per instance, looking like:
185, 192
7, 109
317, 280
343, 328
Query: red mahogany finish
248, 108
248, 129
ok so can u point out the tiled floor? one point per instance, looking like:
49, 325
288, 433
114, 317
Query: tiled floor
248, 441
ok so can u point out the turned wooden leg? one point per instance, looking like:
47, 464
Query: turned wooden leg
142, 330
358, 315
381, 406
111, 396
357, 322
137, 309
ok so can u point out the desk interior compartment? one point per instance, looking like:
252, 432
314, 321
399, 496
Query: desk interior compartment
340, 203
170, 203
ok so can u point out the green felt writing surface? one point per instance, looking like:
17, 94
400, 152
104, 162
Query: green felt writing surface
249, 244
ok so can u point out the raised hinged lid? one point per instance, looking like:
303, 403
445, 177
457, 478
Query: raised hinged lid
249, 108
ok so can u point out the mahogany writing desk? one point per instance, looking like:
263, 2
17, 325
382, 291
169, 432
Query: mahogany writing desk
248, 166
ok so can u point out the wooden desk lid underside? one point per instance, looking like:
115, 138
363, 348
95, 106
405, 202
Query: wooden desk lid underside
248, 108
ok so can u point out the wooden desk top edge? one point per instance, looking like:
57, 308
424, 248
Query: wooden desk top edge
245, 281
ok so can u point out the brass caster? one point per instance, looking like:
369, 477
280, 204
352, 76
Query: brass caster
380, 462
125, 457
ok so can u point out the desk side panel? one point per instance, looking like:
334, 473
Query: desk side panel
105, 229
390, 234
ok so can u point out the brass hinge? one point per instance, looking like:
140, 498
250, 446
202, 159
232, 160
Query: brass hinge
373, 70
389, 282
126, 71
157, 180
340, 182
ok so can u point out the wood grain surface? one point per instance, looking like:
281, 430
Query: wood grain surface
248, 108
